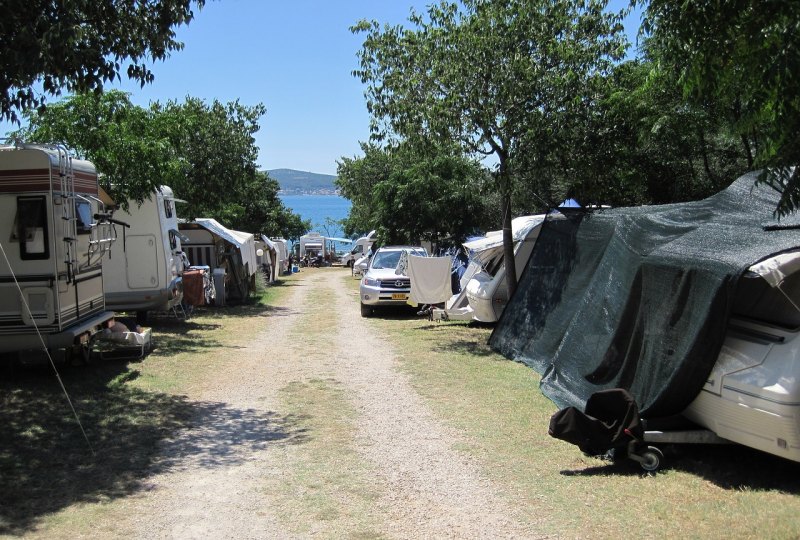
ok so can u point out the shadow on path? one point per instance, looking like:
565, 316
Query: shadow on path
46, 465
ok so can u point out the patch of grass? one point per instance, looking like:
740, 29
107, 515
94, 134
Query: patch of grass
706, 492
324, 488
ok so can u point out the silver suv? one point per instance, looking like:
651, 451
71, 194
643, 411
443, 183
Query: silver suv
381, 285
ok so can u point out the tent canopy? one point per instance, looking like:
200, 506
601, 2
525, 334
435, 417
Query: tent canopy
639, 298
242, 240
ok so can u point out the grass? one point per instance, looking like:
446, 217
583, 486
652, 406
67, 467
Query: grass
705, 492
52, 476
324, 488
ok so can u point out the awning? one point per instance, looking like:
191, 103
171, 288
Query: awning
236, 238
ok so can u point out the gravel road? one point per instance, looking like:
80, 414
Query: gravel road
213, 478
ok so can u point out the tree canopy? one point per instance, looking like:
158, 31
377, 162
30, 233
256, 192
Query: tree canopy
743, 55
205, 152
409, 194
497, 76
80, 45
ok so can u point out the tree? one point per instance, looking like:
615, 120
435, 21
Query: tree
79, 45
356, 179
217, 146
120, 138
743, 55
409, 194
643, 143
205, 153
488, 74
260, 210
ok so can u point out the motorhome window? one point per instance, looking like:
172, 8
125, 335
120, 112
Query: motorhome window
30, 228
173, 240
168, 208
358, 249
83, 211
494, 264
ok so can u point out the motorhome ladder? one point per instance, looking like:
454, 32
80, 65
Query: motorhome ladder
102, 236
69, 216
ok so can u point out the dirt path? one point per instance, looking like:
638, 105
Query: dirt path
424, 487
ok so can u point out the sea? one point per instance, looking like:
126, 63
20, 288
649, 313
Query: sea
316, 208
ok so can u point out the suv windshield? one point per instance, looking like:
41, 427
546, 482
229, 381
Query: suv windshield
386, 259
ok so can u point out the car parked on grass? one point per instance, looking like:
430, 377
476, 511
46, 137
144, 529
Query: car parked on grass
381, 285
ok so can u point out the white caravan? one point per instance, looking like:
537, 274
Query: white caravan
484, 293
752, 396
312, 245
282, 248
55, 232
268, 257
359, 248
230, 255
143, 269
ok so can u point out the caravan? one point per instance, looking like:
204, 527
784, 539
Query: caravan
692, 308
271, 257
56, 232
282, 250
752, 395
484, 293
312, 249
143, 269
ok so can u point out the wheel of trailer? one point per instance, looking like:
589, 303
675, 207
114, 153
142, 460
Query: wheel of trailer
651, 459
78, 354
366, 311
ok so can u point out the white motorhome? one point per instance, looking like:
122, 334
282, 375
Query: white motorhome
143, 269
484, 293
359, 248
230, 255
55, 232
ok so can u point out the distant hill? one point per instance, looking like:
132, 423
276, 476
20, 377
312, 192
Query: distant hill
294, 182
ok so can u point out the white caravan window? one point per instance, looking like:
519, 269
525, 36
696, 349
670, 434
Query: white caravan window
168, 208
30, 228
83, 211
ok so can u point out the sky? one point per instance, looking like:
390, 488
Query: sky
296, 57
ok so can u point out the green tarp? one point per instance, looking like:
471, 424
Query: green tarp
638, 298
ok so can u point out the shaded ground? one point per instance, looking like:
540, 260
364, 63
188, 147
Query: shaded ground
215, 462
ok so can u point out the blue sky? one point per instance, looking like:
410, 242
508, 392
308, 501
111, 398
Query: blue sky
296, 58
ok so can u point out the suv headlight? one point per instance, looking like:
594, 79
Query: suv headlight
370, 282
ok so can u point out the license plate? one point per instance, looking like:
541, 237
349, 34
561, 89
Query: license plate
399, 296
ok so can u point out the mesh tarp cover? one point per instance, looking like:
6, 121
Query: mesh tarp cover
638, 298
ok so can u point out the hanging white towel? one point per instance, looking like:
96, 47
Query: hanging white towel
430, 279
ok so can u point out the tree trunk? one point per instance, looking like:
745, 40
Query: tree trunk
508, 238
